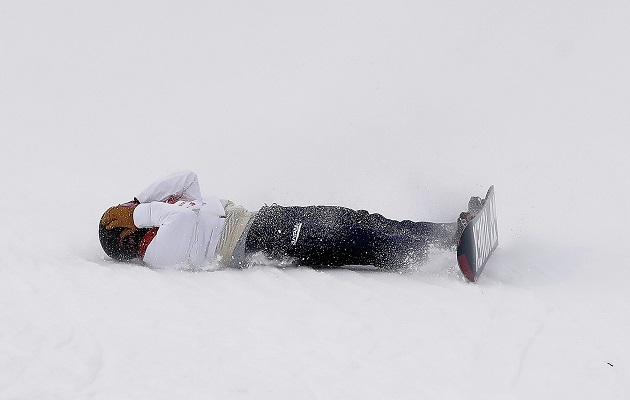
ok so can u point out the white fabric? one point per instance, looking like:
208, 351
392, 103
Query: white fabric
236, 220
189, 226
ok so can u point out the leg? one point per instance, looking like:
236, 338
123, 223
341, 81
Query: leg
336, 236
438, 234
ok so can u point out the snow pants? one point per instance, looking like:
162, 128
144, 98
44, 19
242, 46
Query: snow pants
337, 236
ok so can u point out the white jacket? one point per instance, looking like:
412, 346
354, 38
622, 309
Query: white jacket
189, 227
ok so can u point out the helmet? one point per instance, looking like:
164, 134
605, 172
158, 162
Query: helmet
121, 249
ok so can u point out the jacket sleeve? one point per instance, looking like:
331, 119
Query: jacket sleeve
171, 246
182, 185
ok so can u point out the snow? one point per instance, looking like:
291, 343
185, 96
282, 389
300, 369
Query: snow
402, 108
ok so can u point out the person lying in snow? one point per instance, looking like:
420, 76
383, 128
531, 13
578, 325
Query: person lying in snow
169, 224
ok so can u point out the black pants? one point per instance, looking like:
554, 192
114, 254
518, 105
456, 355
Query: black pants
337, 236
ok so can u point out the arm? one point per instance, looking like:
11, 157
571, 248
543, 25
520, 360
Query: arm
171, 246
182, 185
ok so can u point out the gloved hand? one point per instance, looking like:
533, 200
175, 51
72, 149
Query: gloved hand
120, 216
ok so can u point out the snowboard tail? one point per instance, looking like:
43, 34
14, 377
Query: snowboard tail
478, 240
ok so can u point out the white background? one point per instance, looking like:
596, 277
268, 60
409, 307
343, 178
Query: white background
400, 107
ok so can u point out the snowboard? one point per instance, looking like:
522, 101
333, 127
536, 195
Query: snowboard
478, 240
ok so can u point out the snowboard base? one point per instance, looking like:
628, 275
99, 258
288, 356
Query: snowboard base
478, 240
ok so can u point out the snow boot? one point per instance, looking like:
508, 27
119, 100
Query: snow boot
475, 204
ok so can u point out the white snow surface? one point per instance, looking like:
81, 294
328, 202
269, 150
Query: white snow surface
398, 107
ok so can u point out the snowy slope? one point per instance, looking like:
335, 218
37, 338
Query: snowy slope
397, 107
